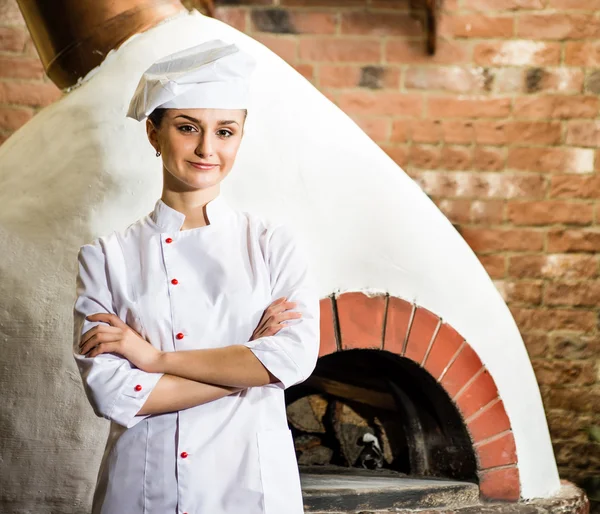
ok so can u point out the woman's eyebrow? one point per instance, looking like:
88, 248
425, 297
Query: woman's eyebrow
220, 122
186, 117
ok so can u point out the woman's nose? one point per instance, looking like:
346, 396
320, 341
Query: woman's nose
205, 147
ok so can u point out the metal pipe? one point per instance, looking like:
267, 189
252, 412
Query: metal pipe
72, 37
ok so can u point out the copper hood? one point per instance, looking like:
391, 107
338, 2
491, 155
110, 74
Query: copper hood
73, 36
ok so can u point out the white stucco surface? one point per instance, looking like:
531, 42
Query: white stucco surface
80, 169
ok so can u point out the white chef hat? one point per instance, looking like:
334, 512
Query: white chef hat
214, 74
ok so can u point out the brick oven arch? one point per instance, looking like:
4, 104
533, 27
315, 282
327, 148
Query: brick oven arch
355, 320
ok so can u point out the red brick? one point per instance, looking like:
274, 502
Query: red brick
361, 320
381, 103
556, 106
400, 131
550, 212
489, 158
450, 131
487, 212
400, 5
564, 373
458, 211
322, 3
349, 76
481, 184
454, 79
28, 93
425, 156
502, 5
12, 39
571, 347
421, 333
234, 16
495, 265
573, 240
496, 240
584, 5
516, 53
534, 80
457, 131
520, 292
451, 107
583, 133
396, 329
479, 393
13, 118
553, 266
306, 70
446, 344
21, 68
284, 46
293, 22
529, 319
456, 157
537, 345
466, 365
378, 129
500, 484
380, 24
399, 154
502, 132
574, 186
477, 26
498, 452
314, 22
576, 399
340, 50
558, 26
550, 160
472, 211
488, 422
577, 294
328, 342
411, 52
582, 53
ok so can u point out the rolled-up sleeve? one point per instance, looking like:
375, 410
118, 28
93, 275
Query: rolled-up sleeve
114, 387
291, 354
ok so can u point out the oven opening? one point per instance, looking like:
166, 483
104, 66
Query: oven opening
375, 430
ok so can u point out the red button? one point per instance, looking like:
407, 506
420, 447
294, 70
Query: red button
174, 281
168, 240
184, 455
179, 336
138, 387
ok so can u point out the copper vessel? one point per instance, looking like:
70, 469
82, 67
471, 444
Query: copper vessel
73, 36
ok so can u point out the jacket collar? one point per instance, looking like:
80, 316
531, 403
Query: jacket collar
171, 220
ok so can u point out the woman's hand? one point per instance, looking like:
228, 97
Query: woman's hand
119, 338
274, 314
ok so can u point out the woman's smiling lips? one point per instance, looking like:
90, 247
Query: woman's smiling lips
203, 165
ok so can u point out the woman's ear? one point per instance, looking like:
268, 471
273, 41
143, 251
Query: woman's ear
152, 134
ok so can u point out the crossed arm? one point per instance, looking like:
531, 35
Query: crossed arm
190, 377
126, 379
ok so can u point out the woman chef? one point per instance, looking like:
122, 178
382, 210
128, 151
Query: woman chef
185, 336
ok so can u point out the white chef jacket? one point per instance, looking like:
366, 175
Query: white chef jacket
234, 455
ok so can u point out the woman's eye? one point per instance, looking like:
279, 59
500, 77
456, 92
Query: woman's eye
224, 133
187, 128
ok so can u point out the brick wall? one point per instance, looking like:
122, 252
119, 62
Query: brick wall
24, 88
500, 128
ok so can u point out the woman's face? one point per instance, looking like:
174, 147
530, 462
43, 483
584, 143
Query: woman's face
198, 146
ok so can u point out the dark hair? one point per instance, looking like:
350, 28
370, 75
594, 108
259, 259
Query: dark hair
157, 115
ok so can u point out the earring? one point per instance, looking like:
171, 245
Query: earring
157, 153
